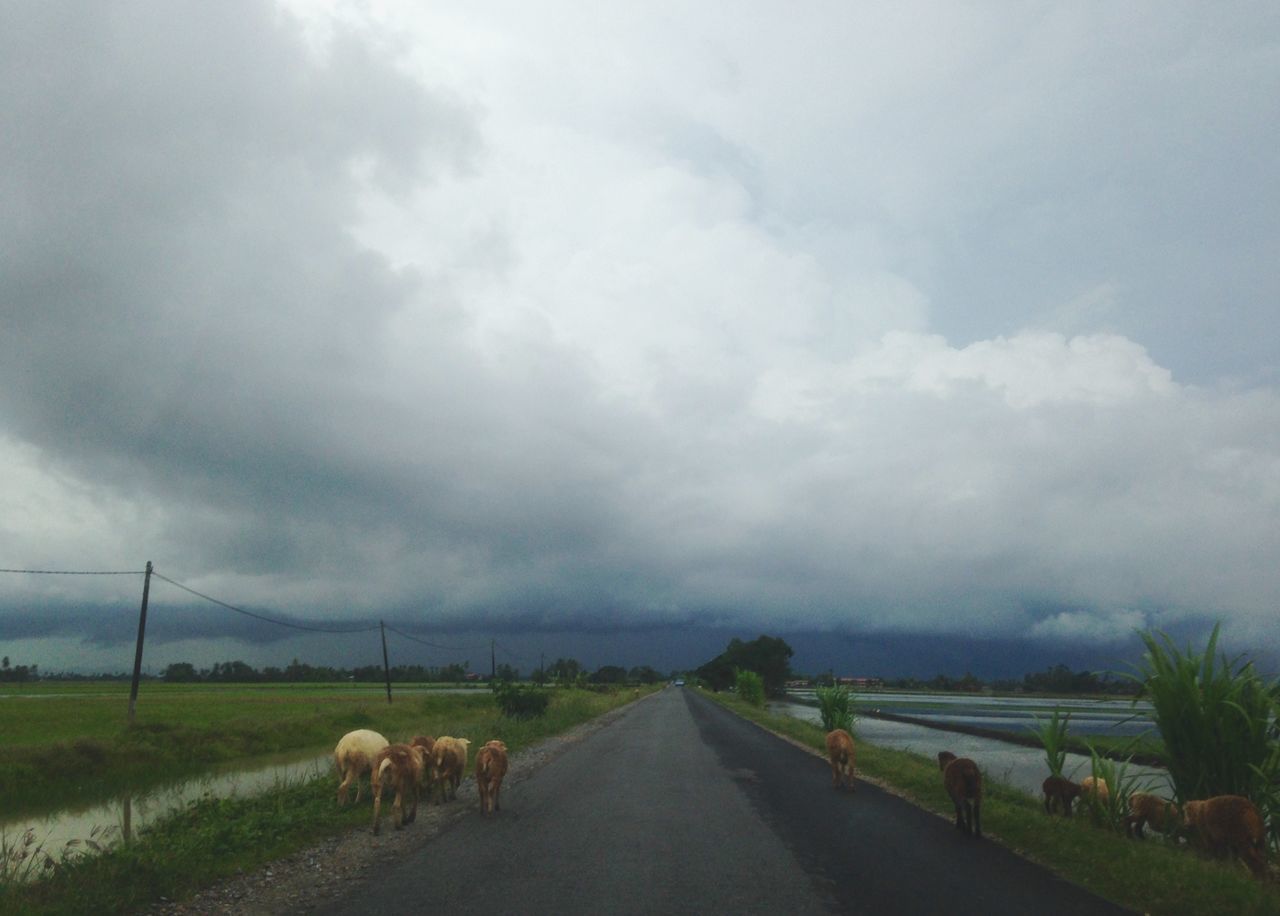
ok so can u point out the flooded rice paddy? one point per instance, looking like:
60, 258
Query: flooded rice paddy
1021, 767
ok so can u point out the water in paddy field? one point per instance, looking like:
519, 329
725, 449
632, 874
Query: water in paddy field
104, 824
1089, 718
1021, 767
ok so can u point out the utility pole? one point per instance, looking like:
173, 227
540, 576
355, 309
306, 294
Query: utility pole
386, 667
137, 655
493, 661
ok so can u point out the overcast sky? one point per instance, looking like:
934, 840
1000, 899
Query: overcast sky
617, 319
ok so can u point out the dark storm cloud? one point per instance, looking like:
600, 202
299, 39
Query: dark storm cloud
350, 320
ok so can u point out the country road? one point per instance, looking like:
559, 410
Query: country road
682, 807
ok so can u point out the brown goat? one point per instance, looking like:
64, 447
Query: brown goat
426, 742
401, 766
1229, 823
963, 782
1059, 793
1151, 811
491, 766
840, 753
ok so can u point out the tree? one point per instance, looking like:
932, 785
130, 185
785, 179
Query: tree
643, 674
507, 673
565, 669
609, 674
181, 673
767, 656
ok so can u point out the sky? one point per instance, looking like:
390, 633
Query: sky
936, 336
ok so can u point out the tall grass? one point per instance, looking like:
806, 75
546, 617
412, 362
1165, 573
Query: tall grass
835, 705
1053, 735
1112, 809
1218, 721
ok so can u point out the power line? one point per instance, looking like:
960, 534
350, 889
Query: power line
435, 645
73, 572
281, 623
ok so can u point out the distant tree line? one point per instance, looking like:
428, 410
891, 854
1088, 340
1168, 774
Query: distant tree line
19, 673
565, 671
1058, 680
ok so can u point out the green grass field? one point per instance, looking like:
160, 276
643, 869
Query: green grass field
70, 744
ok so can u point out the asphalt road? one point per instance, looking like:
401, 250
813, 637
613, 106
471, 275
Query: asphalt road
682, 807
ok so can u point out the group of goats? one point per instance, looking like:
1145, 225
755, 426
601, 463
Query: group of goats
1222, 825
425, 763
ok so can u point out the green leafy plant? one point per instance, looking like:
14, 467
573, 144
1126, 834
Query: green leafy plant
749, 686
1053, 735
520, 702
1111, 809
835, 705
1217, 719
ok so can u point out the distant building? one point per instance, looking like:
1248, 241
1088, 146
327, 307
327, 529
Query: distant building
860, 681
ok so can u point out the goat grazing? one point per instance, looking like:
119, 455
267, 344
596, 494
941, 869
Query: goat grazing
1229, 823
400, 766
1059, 793
1151, 811
1095, 789
491, 766
840, 754
353, 755
448, 761
963, 782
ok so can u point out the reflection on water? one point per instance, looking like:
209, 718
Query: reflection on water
1021, 767
68, 833
1111, 718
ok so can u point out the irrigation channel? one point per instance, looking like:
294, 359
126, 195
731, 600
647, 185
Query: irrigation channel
1023, 767
1017, 765
106, 823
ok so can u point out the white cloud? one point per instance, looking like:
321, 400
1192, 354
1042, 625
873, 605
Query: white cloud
1092, 626
668, 312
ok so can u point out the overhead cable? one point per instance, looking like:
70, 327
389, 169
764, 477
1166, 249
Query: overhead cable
282, 623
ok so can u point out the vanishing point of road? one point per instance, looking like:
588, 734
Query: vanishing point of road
679, 806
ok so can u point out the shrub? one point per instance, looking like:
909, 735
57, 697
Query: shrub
749, 686
835, 705
520, 702
1216, 719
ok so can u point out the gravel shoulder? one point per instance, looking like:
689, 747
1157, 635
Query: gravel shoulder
305, 880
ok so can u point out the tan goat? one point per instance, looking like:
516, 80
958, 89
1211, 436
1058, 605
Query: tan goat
491, 766
840, 754
1151, 811
400, 766
353, 756
448, 761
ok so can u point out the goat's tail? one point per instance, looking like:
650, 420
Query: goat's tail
973, 784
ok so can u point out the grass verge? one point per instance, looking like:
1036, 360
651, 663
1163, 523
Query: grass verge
86, 754
1149, 876
215, 837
